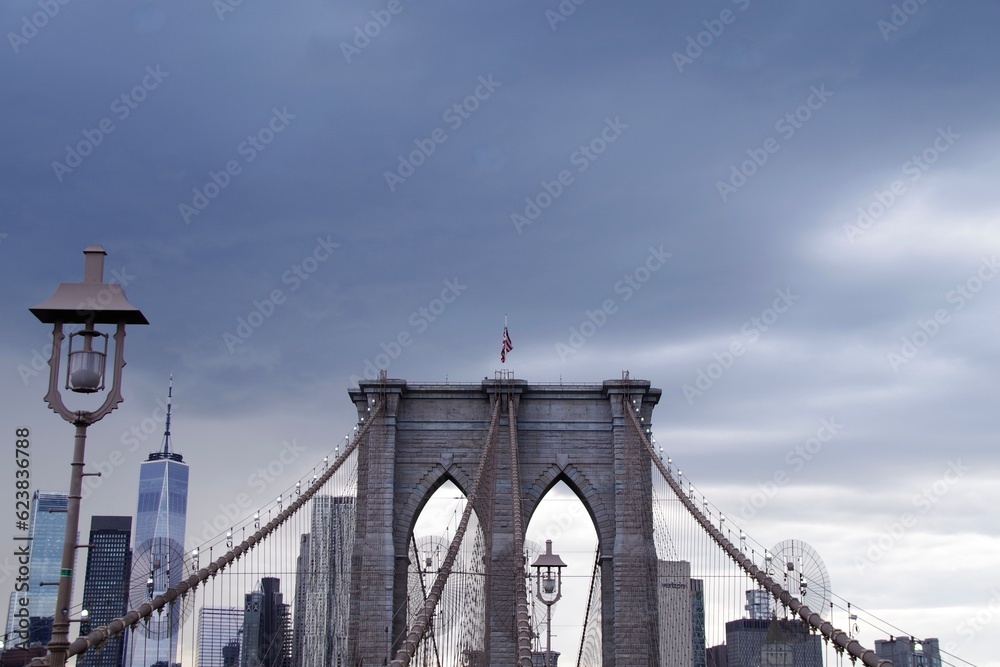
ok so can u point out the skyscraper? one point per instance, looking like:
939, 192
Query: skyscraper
698, 622
219, 630
758, 604
674, 585
777, 650
716, 656
681, 605
158, 555
47, 532
299, 603
231, 654
909, 652
266, 620
323, 624
752, 642
105, 589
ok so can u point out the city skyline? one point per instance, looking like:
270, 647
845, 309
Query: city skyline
760, 632
322, 522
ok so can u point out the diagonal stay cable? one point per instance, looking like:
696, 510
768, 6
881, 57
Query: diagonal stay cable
423, 591
839, 638
409, 646
520, 593
145, 610
590, 604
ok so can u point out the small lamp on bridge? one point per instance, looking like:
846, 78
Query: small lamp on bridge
548, 588
548, 583
89, 303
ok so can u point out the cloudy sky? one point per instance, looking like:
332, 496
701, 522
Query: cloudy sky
779, 213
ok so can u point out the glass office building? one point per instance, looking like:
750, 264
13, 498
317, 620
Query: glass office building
158, 553
698, 622
105, 590
220, 632
266, 627
751, 642
47, 530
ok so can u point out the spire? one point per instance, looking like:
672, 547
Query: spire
166, 432
166, 453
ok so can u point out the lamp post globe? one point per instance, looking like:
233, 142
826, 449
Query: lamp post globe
548, 589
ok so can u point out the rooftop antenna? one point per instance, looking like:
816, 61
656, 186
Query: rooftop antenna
166, 432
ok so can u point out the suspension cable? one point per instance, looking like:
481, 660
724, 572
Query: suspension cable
423, 591
409, 646
590, 603
146, 610
839, 638
521, 598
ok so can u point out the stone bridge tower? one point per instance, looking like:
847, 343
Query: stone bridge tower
575, 433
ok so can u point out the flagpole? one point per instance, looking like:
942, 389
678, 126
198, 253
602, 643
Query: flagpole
505, 344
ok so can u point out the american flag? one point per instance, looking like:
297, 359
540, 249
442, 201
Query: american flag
505, 346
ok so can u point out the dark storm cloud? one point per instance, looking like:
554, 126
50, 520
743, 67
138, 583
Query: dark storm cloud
747, 138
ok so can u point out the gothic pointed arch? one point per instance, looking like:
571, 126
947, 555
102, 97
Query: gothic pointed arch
601, 516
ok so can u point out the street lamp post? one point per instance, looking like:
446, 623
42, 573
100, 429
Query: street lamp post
89, 303
548, 589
